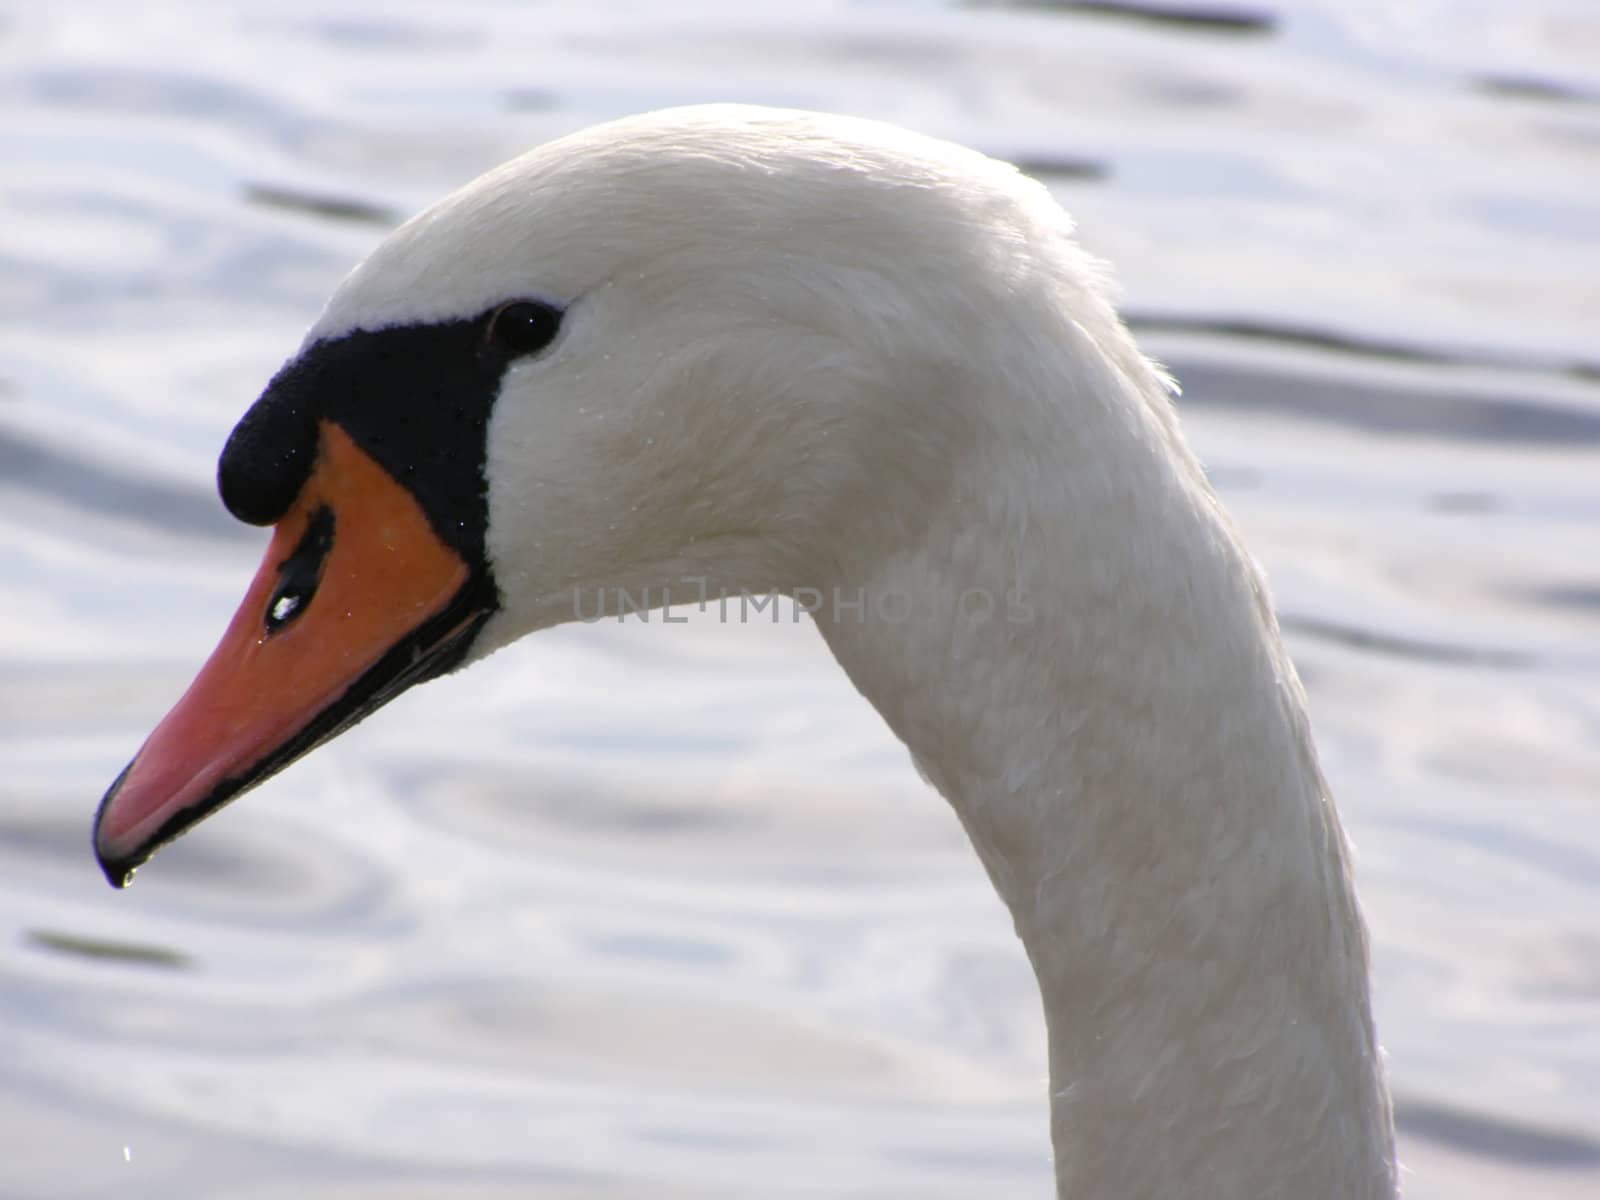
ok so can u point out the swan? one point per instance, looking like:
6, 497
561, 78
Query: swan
748, 350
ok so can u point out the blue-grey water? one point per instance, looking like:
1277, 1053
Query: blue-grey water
664, 911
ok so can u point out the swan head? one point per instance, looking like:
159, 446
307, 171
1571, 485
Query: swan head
699, 345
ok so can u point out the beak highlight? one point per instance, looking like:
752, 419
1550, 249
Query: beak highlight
357, 599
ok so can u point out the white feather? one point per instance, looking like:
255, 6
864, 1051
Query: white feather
827, 356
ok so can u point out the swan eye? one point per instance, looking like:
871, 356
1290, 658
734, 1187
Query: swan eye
299, 574
524, 327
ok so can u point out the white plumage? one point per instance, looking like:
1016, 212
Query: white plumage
806, 352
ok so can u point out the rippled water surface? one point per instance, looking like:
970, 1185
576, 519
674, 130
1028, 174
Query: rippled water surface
644, 911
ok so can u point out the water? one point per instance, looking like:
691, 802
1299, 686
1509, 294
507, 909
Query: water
664, 911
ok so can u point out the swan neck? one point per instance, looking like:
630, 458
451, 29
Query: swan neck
1079, 656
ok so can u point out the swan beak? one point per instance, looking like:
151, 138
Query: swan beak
357, 599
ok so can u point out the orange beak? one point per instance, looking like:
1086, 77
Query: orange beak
357, 599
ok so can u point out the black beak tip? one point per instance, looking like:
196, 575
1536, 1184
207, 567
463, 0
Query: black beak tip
118, 868
118, 871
